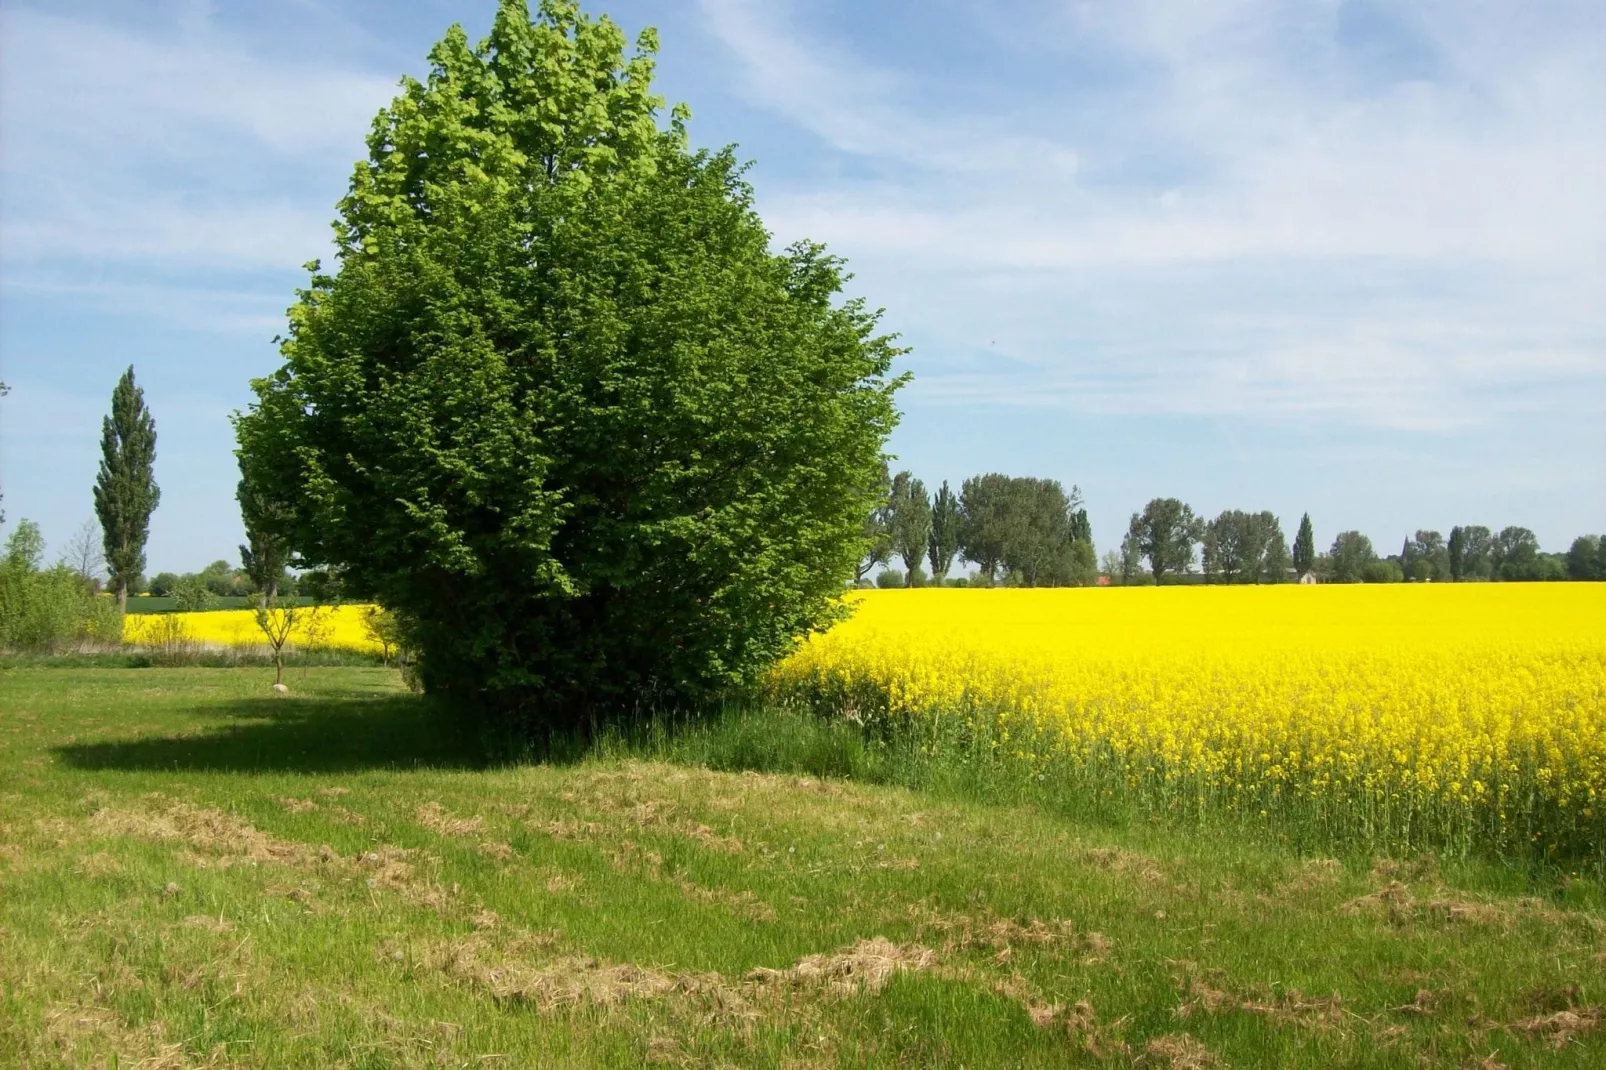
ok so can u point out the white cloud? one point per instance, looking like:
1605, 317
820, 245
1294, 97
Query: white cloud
176, 146
1465, 158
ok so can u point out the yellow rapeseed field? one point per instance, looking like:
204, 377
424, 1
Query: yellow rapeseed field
1399, 715
330, 628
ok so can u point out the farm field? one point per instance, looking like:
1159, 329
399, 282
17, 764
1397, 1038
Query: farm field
1468, 717
194, 873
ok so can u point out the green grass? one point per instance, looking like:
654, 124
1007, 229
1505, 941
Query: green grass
195, 871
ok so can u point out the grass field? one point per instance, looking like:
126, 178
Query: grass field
194, 872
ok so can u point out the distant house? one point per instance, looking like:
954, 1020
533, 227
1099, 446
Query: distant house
1308, 577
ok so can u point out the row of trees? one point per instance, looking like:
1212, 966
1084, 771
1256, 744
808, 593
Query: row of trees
1030, 532
1016, 530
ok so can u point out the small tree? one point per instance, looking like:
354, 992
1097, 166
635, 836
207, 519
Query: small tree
911, 523
1456, 552
1305, 547
125, 488
382, 627
277, 622
943, 542
84, 555
1131, 558
191, 594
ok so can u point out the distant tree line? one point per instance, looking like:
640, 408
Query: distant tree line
1032, 533
1016, 530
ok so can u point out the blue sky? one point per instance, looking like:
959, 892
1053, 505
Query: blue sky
1306, 255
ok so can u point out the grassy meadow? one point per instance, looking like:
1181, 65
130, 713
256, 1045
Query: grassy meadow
196, 872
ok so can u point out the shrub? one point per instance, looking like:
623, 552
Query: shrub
48, 609
192, 595
890, 577
560, 407
1382, 571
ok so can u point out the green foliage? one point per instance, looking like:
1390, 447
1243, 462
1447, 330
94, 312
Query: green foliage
125, 487
1240, 547
1030, 530
910, 517
163, 584
946, 528
1477, 555
1304, 546
1166, 532
889, 578
48, 609
1348, 558
985, 507
560, 407
1586, 558
192, 594
1038, 532
1514, 555
877, 528
266, 550
1379, 570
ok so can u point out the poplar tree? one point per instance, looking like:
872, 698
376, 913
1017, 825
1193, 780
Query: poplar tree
911, 523
1304, 547
125, 489
943, 542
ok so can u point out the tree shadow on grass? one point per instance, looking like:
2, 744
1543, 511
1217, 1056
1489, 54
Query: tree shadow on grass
301, 735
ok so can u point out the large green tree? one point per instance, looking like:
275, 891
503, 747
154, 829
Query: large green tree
560, 406
1166, 532
985, 509
1352, 552
1514, 555
125, 488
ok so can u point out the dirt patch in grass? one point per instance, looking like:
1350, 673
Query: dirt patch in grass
744, 903
521, 968
1312, 875
438, 819
866, 966
1124, 862
1179, 1051
1000, 935
97, 865
1398, 904
1202, 994
222, 839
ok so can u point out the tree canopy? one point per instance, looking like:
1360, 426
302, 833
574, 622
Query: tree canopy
560, 407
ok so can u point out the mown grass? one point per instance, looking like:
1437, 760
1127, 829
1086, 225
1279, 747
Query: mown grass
193, 872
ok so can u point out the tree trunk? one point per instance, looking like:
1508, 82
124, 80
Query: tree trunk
278, 668
122, 595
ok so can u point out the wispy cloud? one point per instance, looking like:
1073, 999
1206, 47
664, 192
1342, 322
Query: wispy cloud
175, 146
1461, 157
